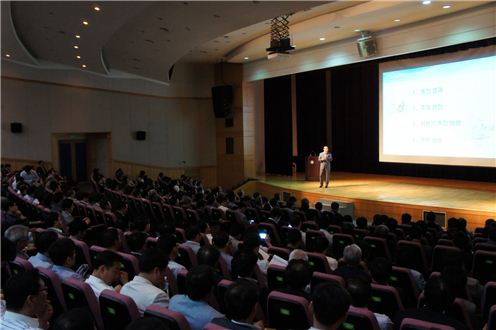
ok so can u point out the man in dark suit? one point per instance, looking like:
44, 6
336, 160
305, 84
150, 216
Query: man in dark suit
325, 159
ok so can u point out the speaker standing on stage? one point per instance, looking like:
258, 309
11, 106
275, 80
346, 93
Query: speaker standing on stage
325, 159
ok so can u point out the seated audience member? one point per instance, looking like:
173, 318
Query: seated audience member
298, 254
55, 223
251, 242
455, 278
491, 237
223, 243
406, 219
330, 303
193, 238
298, 277
8, 252
77, 229
106, 271
380, 269
75, 319
437, 299
11, 215
296, 224
26, 298
321, 245
146, 288
193, 305
147, 323
240, 301
136, 242
43, 242
404, 255
208, 255
63, 255
353, 266
67, 209
120, 211
360, 292
109, 239
20, 236
168, 244
29, 175
323, 224
294, 240
140, 224
362, 223
243, 265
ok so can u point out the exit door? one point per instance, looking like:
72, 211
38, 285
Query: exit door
72, 158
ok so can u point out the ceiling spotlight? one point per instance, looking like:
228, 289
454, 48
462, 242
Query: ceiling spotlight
85, 23
246, 58
96, 8
426, 2
357, 30
76, 47
77, 36
321, 38
397, 20
446, 7
7, 55
83, 65
78, 57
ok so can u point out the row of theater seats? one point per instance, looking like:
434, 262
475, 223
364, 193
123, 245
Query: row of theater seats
114, 311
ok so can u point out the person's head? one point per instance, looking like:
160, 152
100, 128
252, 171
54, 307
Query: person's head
243, 263
26, 293
492, 234
222, 242
406, 218
141, 224
152, 265
75, 319
240, 300
136, 241
192, 233
461, 241
168, 244
319, 206
107, 266
404, 254
251, 240
208, 255
359, 290
436, 295
361, 223
8, 252
352, 255
455, 278
430, 218
330, 305
200, 282
298, 274
44, 240
335, 206
294, 239
19, 235
109, 239
326, 149
147, 323
77, 227
8, 205
67, 205
298, 254
63, 252
321, 244
380, 269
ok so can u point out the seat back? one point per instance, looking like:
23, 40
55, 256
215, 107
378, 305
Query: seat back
174, 320
276, 277
79, 294
95, 250
378, 247
224, 269
220, 291
491, 322
186, 256
82, 254
311, 235
485, 247
151, 242
333, 229
413, 324
55, 294
402, 278
385, 300
441, 255
286, 311
130, 264
117, 310
319, 263
359, 234
180, 235
252, 214
445, 242
360, 319
461, 314
484, 266
339, 242
419, 260
318, 278
181, 281
488, 299
19, 265
281, 252
309, 225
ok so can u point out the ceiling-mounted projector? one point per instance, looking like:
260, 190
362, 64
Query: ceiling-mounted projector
280, 42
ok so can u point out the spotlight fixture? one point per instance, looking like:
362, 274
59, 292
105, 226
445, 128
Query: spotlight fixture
78, 57
83, 65
426, 2
397, 20
446, 7
76, 47
321, 38
77, 36
7, 55
96, 8
246, 58
85, 23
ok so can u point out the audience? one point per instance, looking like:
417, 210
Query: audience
168, 244
63, 255
223, 243
298, 277
75, 319
330, 305
321, 245
147, 287
106, 271
20, 236
193, 238
193, 305
353, 266
43, 242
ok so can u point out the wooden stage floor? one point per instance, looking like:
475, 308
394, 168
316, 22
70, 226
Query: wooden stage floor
392, 195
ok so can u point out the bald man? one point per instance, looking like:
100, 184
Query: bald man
325, 159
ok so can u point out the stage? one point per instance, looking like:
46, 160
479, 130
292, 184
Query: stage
391, 195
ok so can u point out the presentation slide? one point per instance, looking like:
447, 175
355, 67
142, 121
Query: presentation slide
440, 114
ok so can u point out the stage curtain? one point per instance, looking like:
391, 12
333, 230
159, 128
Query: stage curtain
277, 114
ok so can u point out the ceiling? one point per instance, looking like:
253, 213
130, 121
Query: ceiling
146, 39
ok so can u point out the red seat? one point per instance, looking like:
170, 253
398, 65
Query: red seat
318, 278
360, 318
276, 277
385, 300
117, 310
403, 279
82, 254
220, 291
413, 324
130, 264
19, 265
339, 242
286, 311
442, 254
55, 294
319, 262
281, 252
80, 294
484, 266
378, 247
213, 326
488, 299
174, 320
419, 259
491, 323
186, 256
311, 235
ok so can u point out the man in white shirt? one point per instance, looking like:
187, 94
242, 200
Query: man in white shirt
28, 308
223, 243
43, 242
193, 238
330, 306
147, 287
106, 270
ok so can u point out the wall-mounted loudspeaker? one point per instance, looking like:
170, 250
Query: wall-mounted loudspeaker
366, 45
16, 127
222, 99
140, 135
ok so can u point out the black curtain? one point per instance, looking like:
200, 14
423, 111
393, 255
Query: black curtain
311, 114
277, 114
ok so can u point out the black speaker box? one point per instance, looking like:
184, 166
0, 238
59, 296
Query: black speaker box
222, 99
16, 127
366, 46
140, 135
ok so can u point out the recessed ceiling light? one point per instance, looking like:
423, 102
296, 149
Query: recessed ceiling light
426, 2
397, 20
83, 65
321, 38
446, 7
358, 30
76, 47
246, 58
7, 55
77, 36
96, 8
78, 57
85, 23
